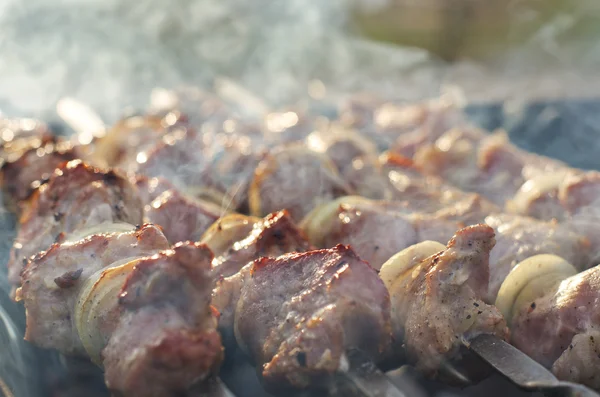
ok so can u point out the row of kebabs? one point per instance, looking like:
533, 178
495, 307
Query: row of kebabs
138, 305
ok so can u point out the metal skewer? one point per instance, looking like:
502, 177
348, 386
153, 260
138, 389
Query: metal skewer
522, 370
363, 378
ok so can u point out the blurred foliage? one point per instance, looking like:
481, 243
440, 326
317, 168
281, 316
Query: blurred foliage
455, 29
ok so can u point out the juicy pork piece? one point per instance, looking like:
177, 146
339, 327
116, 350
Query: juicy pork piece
51, 282
437, 296
182, 218
150, 188
130, 136
77, 196
580, 362
518, 238
426, 193
571, 196
274, 235
218, 170
237, 240
26, 168
557, 195
137, 308
165, 339
296, 179
376, 230
297, 315
558, 326
488, 165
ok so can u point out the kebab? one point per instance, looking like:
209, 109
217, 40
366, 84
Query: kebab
550, 309
76, 196
135, 306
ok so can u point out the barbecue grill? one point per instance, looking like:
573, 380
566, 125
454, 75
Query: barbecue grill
545, 127
563, 129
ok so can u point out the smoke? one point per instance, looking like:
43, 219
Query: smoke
111, 54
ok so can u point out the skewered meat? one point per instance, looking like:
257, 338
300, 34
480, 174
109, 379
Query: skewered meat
391, 124
557, 195
146, 319
25, 169
424, 193
218, 172
76, 196
296, 179
128, 137
438, 301
166, 338
488, 165
555, 324
355, 158
150, 188
571, 196
181, 217
375, 230
298, 314
341, 145
580, 362
52, 280
518, 238
274, 235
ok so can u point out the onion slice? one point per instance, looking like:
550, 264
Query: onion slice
529, 280
315, 223
96, 310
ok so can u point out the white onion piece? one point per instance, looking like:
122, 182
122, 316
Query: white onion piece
406, 259
97, 306
315, 223
399, 271
227, 230
529, 280
533, 189
102, 228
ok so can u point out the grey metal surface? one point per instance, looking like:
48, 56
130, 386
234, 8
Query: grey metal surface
522, 370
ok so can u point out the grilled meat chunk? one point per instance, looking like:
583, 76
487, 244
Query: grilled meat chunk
53, 279
76, 196
166, 338
128, 137
555, 328
437, 302
25, 169
426, 193
296, 179
299, 313
150, 188
218, 170
580, 362
488, 165
274, 235
557, 195
376, 230
181, 217
518, 238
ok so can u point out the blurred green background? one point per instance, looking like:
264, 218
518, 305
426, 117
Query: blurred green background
477, 29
